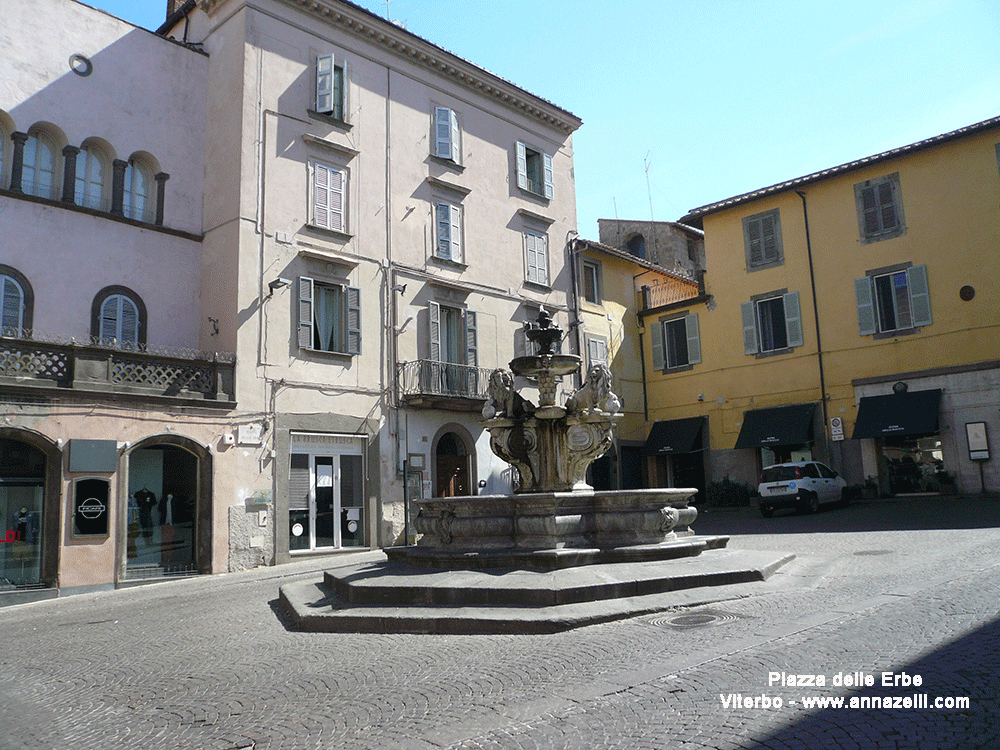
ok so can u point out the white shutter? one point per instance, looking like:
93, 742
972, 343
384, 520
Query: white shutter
656, 336
522, 166
456, 139
443, 140
443, 230
456, 233
866, 306
305, 312
536, 258
353, 320
324, 84
793, 319
749, 327
337, 200
920, 298
547, 162
328, 197
471, 342
434, 332
693, 339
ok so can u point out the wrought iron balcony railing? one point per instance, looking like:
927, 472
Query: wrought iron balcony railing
441, 384
100, 366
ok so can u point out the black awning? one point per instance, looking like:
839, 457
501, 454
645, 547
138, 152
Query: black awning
907, 413
781, 425
675, 436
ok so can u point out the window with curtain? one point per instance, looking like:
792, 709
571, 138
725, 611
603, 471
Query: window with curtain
39, 167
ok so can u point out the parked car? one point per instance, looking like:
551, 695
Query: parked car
803, 485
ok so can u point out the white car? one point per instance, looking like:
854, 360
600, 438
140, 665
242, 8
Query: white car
803, 485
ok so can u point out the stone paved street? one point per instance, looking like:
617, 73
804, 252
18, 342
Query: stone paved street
208, 663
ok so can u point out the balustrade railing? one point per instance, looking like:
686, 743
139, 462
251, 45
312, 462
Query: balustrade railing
426, 377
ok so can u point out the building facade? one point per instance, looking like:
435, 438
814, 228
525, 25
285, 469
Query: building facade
849, 318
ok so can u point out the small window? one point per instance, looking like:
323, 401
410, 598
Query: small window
895, 301
38, 176
591, 273
329, 190
92, 179
534, 171
597, 351
448, 230
447, 136
880, 208
120, 320
536, 258
772, 323
762, 240
676, 343
636, 245
12, 311
329, 317
331, 91
137, 202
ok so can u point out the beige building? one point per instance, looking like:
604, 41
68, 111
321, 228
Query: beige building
300, 238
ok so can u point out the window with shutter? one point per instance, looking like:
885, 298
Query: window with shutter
894, 301
12, 311
119, 322
329, 317
536, 258
330, 87
762, 240
446, 134
880, 208
328, 199
534, 171
597, 351
448, 223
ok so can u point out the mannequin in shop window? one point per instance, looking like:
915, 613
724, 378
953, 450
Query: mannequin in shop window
146, 501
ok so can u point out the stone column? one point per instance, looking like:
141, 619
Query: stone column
161, 184
17, 163
118, 186
69, 174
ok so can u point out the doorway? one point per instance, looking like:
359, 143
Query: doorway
22, 494
326, 493
453, 471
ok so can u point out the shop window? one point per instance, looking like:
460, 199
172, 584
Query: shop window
326, 493
22, 490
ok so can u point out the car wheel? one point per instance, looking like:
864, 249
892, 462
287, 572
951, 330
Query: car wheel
766, 512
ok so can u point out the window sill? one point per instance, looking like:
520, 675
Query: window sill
324, 354
883, 335
775, 352
331, 233
883, 236
679, 368
540, 197
763, 266
537, 285
449, 163
597, 307
330, 120
449, 263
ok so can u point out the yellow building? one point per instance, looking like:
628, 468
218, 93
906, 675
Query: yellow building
610, 287
851, 316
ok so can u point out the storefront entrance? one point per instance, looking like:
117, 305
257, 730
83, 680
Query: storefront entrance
22, 493
913, 464
326, 492
452, 466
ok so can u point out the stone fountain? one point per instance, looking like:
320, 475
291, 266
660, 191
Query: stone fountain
554, 554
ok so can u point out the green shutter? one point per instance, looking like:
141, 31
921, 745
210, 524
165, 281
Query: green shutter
522, 166
434, 331
793, 319
353, 320
866, 306
920, 298
456, 138
443, 230
656, 335
324, 84
442, 133
305, 312
749, 327
456, 232
693, 339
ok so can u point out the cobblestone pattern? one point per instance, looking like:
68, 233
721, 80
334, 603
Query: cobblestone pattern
208, 663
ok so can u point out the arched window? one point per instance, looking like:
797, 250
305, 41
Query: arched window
137, 203
12, 295
16, 302
636, 246
39, 171
91, 178
118, 318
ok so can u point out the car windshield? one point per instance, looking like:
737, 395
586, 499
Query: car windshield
779, 473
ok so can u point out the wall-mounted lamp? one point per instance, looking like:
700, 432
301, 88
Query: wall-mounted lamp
278, 283
401, 288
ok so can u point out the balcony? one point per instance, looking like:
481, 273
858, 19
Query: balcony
67, 367
442, 385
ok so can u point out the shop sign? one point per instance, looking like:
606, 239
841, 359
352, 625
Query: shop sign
979, 446
90, 506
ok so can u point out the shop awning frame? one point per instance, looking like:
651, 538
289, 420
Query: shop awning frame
673, 436
778, 425
898, 414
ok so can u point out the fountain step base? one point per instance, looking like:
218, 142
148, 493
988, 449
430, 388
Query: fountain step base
395, 597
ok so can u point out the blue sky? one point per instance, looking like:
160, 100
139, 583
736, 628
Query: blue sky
686, 103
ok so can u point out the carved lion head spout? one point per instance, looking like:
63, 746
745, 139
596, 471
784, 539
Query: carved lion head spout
595, 394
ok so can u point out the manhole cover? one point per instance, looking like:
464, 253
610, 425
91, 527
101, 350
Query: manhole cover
699, 619
872, 552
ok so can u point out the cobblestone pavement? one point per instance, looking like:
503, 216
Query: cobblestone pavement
208, 663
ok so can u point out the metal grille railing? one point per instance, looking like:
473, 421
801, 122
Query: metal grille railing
430, 378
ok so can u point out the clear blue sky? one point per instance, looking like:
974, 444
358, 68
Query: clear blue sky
712, 98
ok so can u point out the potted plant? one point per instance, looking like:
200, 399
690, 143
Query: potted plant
946, 482
869, 491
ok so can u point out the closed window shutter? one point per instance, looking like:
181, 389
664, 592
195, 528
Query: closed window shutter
866, 306
456, 233
756, 249
471, 335
434, 332
542, 259
324, 84
887, 206
305, 312
656, 334
920, 298
443, 230
337, 200
793, 319
530, 258
109, 319
749, 328
442, 132
129, 322
693, 339
522, 166
869, 206
328, 198
353, 320
456, 138
299, 484
13, 306
549, 177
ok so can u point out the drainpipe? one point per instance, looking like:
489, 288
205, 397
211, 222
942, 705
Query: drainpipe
574, 253
819, 341
642, 352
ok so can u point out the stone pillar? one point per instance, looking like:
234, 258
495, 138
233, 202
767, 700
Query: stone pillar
17, 163
118, 186
161, 184
69, 174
